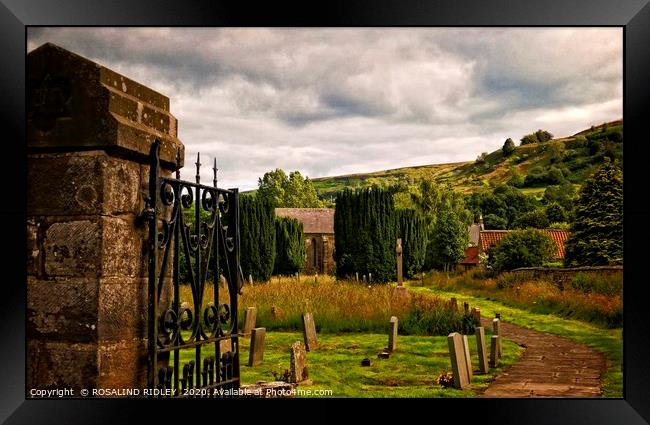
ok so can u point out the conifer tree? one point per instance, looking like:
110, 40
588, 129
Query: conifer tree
597, 227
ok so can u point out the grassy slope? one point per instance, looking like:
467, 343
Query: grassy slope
470, 176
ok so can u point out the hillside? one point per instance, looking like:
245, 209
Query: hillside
531, 167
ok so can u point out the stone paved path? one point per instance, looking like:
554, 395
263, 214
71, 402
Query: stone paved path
551, 366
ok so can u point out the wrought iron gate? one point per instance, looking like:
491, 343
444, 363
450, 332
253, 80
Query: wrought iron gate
200, 325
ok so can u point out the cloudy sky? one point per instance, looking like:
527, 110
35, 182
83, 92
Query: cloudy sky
338, 101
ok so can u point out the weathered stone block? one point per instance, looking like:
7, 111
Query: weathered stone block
62, 310
250, 317
73, 248
392, 334
256, 353
458, 363
74, 102
298, 370
309, 331
494, 350
65, 183
121, 187
481, 348
123, 364
468, 358
122, 309
62, 364
122, 248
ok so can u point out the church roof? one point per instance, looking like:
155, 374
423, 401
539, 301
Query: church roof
314, 220
490, 238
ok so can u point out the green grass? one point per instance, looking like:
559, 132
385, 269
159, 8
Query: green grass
411, 371
607, 341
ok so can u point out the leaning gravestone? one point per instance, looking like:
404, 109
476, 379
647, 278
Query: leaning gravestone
256, 353
392, 334
250, 316
298, 369
309, 331
482, 350
468, 359
458, 363
496, 329
494, 350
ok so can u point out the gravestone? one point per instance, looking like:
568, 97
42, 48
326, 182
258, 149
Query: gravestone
453, 303
89, 133
256, 353
496, 329
225, 345
392, 334
250, 317
466, 309
369, 277
250, 279
356, 276
468, 358
298, 370
316, 278
398, 253
494, 349
309, 331
458, 363
476, 313
482, 350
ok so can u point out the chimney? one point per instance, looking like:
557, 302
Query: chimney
480, 222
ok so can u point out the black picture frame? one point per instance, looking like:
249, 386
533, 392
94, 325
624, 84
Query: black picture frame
633, 15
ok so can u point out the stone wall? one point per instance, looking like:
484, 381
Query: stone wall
563, 276
89, 132
324, 250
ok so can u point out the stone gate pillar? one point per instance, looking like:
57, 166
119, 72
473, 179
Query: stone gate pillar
89, 131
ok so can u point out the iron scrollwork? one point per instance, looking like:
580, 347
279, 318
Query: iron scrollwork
209, 248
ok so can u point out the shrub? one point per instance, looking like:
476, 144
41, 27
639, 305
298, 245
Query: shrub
289, 246
522, 248
598, 283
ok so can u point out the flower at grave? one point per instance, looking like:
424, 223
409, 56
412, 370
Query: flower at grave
445, 379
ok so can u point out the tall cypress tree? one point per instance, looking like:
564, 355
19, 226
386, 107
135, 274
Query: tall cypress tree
257, 236
365, 234
289, 246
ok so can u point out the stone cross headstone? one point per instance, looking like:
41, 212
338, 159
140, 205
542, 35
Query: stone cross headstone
309, 331
256, 353
298, 369
458, 363
398, 252
494, 348
496, 329
468, 358
392, 334
481, 347
250, 316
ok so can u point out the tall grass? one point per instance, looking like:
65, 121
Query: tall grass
593, 299
341, 306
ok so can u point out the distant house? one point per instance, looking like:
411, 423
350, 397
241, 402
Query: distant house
471, 252
490, 238
318, 226
481, 241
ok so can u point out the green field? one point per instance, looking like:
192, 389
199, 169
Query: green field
411, 371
